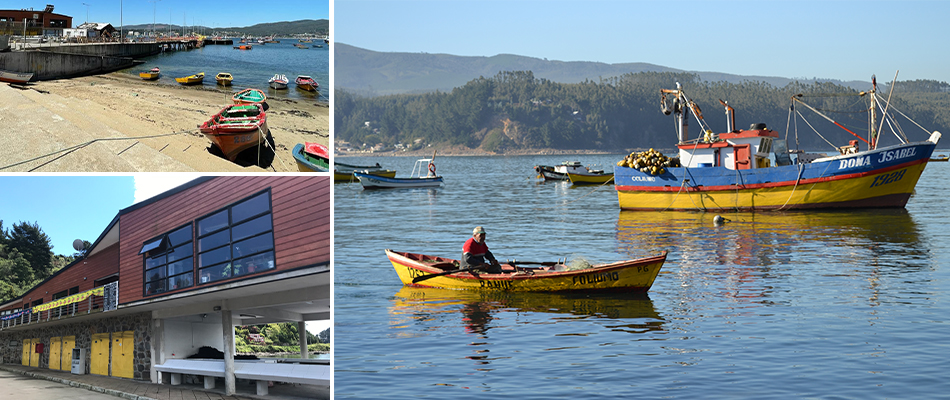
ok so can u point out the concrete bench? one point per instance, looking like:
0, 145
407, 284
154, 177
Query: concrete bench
308, 374
209, 369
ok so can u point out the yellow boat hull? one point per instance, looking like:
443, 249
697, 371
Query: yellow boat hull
632, 276
818, 194
585, 179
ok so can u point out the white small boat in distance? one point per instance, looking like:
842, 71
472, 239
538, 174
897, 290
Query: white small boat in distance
15, 77
423, 175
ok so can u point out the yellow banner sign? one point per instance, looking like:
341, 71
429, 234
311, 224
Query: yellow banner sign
99, 291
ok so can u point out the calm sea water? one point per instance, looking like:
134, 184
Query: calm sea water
773, 305
250, 68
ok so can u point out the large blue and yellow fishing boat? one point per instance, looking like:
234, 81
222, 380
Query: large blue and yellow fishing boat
752, 169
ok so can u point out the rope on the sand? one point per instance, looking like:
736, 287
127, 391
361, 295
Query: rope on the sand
71, 149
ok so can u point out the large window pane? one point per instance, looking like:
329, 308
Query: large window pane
214, 257
180, 281
215, 273
258, 263
179, 252
212, 223
254, 245
180, 236
155, 274
252, 227
155, 287
250, 207
180, 267
152, 262
216, 240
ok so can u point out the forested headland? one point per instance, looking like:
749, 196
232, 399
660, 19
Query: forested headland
26, 259
516, 112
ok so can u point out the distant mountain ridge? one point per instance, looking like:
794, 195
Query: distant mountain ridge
282, 28
374, 73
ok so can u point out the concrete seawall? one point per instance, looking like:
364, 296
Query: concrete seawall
58, 62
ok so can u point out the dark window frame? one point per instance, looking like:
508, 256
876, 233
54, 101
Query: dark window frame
228, 264
164, 251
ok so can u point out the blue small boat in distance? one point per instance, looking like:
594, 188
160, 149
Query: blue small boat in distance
416, 180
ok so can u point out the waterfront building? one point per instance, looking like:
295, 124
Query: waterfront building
175, 273
36, 23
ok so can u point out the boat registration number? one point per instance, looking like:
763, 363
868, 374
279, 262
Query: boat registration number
892, 177
243, 138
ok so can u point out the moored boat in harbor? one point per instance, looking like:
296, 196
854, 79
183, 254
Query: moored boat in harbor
423, 175
312, 157
195, 79
236, 128
559, 172
151, 74
223, 78
630, 276
593, 177
279, 81
752, 169
307, 83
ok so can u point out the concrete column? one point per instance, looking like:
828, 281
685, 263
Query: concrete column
228, 331
158, 348
302, 332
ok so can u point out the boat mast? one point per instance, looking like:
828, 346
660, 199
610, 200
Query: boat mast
873, 138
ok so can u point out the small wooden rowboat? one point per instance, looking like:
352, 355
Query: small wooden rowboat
279, 81
151, 74
631, 276
249, 96
592, 178
306, 83
195, 79
345, 177
312, 157
15, 77
236, 128
224, 78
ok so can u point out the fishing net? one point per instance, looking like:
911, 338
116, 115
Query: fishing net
575, 263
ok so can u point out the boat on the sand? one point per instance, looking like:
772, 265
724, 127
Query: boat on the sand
236, 128
630, 276
151, 74
195, 79
15, 77
312, 157
249, 96
752, 169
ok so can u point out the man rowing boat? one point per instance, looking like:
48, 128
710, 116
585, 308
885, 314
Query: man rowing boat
475, 252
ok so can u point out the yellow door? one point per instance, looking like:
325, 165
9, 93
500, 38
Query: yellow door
34, 356
99, 359
55, 347
27, 350
69, 342
123, 347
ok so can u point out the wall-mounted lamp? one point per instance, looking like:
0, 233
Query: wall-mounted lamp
204, 315
217, 308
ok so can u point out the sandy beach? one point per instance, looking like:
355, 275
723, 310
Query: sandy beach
124, 116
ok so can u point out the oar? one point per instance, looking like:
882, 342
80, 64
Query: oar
424, 277
551, 263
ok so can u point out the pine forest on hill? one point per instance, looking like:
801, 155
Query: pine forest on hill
516, 112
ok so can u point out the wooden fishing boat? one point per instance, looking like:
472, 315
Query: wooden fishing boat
593, 177
279, 81
423, 176
307, 83
312, 157
224, 78
195, 79
346, 177
236, 128
249, 96
15, 77
301, 46
752, 169
559, 172
151, 74
635, 275
244, 47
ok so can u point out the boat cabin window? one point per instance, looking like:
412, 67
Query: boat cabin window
765, 145
780, 149
237, 240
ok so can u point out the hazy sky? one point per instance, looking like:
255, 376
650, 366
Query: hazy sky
835, 39
196, 12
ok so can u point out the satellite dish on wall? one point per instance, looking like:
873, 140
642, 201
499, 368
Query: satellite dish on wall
79, 245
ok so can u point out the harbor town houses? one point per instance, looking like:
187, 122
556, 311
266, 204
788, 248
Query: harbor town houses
173, 275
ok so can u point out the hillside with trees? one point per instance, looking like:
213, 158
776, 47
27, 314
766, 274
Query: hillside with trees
26, 259
516, 111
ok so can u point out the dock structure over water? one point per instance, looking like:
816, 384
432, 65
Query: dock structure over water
186, 267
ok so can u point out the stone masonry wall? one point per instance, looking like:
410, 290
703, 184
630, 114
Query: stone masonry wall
11, 342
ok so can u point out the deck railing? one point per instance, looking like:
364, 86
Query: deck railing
101, 299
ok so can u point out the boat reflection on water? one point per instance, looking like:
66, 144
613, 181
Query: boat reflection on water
755, 254
416, 309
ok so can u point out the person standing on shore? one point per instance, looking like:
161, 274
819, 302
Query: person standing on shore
475, 252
